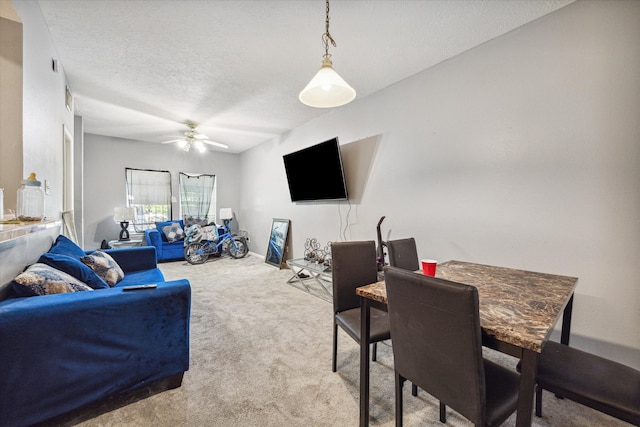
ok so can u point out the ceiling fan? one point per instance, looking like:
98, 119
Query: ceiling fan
191, 138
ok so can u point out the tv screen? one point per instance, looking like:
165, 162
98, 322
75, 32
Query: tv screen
315, 173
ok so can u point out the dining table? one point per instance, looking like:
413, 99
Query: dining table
518, 311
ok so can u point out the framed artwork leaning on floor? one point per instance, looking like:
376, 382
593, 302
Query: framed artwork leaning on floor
277, 242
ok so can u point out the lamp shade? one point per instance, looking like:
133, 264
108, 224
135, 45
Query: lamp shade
327, 89
124, 214
226, 213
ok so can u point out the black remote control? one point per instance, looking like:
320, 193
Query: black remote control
139, 287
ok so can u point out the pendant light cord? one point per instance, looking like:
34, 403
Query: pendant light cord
326, 37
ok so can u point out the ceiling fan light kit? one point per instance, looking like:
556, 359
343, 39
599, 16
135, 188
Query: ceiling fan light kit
327, 89
191, 138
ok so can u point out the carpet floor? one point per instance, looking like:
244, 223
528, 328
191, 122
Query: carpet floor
261, 356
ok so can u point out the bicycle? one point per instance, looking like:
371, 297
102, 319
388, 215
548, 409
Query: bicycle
197, 252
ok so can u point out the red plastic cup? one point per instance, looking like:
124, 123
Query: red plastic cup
429, 267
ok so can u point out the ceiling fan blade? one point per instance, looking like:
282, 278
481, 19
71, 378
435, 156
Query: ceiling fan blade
200, 136
172, 140
217, 144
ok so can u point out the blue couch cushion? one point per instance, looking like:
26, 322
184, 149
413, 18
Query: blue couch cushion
74, 267
64, 246
42, 279
104, 266
145, 277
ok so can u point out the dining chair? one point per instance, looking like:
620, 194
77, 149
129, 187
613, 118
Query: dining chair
354, 265
588, 379
437, 344
403, 254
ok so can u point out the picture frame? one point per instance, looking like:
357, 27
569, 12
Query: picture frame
277, 242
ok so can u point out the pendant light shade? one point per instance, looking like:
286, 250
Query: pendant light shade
327, 89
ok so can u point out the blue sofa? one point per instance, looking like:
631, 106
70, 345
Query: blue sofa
62, 352
166, 250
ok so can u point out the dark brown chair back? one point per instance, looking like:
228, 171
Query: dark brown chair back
403, 254
437, 341
353, 265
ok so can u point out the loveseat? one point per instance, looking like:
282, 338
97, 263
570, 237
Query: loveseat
61, 352
168, 238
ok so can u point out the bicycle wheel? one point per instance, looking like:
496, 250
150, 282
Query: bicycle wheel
195, 254
238, 248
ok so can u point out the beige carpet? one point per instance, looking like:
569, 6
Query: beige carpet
261, 356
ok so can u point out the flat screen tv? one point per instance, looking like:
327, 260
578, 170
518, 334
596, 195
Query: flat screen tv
315, 173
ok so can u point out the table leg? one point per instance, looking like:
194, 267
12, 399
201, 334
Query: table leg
365, 327
566, 322
323, 287
296, 278
527, 384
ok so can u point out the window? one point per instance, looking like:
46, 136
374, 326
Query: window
198, 196
149, 192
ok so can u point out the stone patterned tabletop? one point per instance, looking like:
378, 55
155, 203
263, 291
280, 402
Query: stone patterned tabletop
516, 306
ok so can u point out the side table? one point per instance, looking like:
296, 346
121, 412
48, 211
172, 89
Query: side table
304, 270
119, 244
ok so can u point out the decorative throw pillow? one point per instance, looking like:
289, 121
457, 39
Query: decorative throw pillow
173, 232
41, 279
163, 224
74, 267
192, 220
104, 266
65, 246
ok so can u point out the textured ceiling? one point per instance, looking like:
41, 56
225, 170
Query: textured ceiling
140, 69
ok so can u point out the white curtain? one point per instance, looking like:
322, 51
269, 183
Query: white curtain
197, 196
149, 191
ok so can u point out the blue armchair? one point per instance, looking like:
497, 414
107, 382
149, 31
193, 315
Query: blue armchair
165, 250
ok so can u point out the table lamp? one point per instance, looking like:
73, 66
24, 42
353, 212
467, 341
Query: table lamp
123, 216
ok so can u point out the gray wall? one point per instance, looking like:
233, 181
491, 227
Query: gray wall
44, 110
106, 158
523, 152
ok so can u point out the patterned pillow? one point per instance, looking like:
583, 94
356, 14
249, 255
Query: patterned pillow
41, 279
173, 232
104, 266
192, 220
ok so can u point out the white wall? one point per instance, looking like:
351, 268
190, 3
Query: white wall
106, 158
523, 152
44, 110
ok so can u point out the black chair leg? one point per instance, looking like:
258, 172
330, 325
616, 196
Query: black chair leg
414, 390
374, 351
399, 384
538, 401
443, 413
335, 346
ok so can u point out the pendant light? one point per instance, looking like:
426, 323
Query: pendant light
327, 89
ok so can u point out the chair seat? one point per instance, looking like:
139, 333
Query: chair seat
590, 380
349, 320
